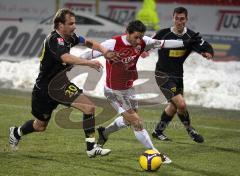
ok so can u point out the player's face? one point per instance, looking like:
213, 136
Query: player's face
69, 26
179, 22
135, 38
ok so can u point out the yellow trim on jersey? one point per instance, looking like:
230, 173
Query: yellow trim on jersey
176, 53
42, 53
173, 89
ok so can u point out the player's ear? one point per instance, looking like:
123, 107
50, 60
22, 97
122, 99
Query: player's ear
60, 25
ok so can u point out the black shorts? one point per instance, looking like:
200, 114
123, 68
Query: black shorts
169, 85
60, 91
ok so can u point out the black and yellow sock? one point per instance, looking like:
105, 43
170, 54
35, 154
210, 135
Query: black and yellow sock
185, 119
89, 130
165, 120
27, 127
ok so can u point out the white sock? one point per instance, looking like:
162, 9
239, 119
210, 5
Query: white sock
116, 125
90, 139
19, 131
144, 138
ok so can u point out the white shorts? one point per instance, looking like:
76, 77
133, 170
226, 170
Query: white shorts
121, 100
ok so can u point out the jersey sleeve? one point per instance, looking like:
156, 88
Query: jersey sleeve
148, 40
154, 43
108, 44
90, 54
159, 34
78, 40
204, 46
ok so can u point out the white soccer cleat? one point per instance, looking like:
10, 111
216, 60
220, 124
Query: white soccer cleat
165, 159
13, 141
97, 150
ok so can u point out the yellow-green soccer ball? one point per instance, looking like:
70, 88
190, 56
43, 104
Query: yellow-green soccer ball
150, 160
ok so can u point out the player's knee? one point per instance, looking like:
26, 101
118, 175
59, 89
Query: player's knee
41, 129
39, 126
137, 125
170, 110
90, 109
182, 106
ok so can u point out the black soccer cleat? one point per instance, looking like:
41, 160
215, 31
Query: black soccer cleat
160, 136
195, 136
102, 139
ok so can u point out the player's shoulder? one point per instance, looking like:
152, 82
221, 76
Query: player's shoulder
109, 43
54, 38
116, 37
190, 32
75, 39
162, 32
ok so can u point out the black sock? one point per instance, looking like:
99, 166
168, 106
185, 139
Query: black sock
15, 133
27, 127
89, 129
165, 120
185, 119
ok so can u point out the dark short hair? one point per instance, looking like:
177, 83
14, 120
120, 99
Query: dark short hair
60, 16
135, 26
180, 10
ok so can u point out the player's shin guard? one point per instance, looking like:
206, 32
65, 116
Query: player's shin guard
185, 119
165, 120
26, 128
144, 138
89, 130
116, 125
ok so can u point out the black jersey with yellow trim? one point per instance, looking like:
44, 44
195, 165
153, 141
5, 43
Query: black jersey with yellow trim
170, 60
51, 64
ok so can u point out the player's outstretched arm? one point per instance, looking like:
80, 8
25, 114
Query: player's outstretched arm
73, 60
95, 46
158, 44
103, 50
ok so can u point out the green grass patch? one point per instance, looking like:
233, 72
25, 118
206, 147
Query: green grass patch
60, 151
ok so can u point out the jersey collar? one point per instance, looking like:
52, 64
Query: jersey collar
124, 39
184, 31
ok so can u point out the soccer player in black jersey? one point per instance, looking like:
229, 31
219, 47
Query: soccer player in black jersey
169, 73
53, 87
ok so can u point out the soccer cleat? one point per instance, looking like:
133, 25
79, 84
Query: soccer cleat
97, 150
165, 159
195, 136
160, 136
102, 139
13, 141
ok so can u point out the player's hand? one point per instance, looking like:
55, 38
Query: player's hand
207, 55
112, 55
96, 65
195, 39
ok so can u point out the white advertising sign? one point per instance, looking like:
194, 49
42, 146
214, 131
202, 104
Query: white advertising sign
26, 10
